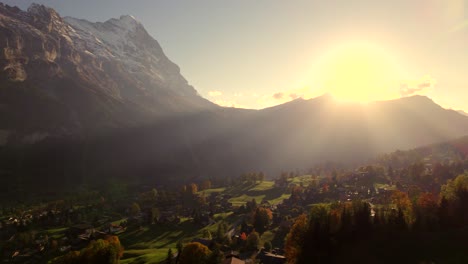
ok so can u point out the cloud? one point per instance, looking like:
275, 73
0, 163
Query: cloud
294, 96
419, 86
215, 93
278, 96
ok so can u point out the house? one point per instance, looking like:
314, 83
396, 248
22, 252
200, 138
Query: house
232, 257
273, 257
233, 260
81, 229
116, 229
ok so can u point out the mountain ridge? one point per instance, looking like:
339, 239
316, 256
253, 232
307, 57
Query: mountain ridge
83, 102
72, 89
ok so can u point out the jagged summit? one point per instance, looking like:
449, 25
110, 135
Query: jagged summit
40, 9
78, 74
129, 19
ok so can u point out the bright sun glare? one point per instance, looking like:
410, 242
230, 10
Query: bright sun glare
359, 72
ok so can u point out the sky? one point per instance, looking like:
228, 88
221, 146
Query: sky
256, 54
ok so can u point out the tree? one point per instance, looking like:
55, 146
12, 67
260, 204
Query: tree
101, 251
243, 236
72, 257
402, 201
295, 239
267, 245
216, 256
453, 188
426, 211
194, 253
179, 247
192, 188
169, 256
135, 209
261, 177
154, 193
221, 232
262, 219
155, 215
253, 240
205, 185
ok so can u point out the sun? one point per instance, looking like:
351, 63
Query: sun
359, 72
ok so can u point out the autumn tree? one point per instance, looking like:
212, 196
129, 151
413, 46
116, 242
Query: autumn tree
101, 251
295, 239
192, 188
402, 202
426, 211
205, 185
194, 253
456, 193
243, 236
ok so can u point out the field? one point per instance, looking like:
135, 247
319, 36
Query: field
261, 191
151, 244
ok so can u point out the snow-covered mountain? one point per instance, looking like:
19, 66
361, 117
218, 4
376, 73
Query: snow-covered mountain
66, 76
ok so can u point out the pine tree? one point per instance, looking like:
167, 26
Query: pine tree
169, 256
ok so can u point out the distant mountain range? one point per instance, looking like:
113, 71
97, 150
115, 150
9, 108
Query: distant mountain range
462, 112
84, 102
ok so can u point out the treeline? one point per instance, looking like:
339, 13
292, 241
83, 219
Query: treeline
429, 228
101, 251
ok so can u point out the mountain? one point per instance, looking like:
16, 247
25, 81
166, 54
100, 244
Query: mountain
66, 76
85, 103
462, 112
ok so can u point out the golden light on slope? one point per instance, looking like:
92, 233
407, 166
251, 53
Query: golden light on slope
359, 72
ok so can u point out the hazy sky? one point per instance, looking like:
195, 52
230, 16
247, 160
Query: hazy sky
260, 53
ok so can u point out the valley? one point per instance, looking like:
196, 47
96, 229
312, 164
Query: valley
108, 154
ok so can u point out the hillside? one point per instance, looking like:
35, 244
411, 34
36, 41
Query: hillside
85, 103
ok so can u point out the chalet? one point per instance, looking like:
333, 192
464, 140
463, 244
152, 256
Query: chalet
81, 229
233, 260
271, 258
115, 229
232, 257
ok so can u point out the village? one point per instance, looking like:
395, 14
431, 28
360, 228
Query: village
223, 215
244, 219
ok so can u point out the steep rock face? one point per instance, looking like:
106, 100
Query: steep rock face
68, 76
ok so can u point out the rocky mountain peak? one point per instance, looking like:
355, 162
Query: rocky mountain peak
44, 18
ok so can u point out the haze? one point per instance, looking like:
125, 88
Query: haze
263, 53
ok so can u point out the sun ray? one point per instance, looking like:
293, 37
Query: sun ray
359, 72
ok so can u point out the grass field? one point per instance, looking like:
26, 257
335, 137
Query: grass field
265, 190
214, 190
150, 244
